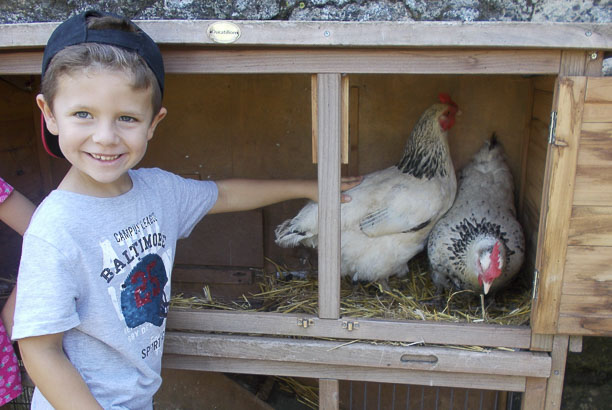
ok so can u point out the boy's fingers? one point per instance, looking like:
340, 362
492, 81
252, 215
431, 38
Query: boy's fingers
345, 198
353, 179
350, 182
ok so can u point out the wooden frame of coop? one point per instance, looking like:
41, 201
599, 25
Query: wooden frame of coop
569, 209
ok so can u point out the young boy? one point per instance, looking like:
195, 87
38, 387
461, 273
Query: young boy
94, 279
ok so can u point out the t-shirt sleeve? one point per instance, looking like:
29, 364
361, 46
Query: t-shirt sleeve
191, 198
47, 291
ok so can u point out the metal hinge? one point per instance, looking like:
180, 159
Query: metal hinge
305, 323
349, 325
552, 129
536, 284
552, 132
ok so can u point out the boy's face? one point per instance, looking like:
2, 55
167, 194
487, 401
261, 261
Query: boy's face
104, 126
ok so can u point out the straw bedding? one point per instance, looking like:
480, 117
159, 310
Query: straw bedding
413, 297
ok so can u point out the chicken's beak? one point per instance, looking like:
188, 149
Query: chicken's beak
486, 286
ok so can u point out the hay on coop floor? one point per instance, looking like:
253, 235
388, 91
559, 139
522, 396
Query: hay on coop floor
413, 297
307, 395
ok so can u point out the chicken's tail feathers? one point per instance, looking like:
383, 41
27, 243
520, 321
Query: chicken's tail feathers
492, 151
289, 236
493, 142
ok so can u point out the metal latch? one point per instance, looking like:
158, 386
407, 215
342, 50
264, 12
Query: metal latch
552, 130
350, 325
305, 322
536, 284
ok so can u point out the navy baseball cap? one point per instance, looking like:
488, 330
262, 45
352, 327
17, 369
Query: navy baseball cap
75, 31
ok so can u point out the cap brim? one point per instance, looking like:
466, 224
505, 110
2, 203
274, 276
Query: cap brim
50, 141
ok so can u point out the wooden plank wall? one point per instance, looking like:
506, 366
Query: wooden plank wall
587, 287
20, 151
222, 126
240, 126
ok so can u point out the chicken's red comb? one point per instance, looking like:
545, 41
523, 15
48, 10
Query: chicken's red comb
446, 99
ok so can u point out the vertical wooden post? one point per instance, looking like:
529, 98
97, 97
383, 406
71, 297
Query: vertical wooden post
575, 344
573, 62
329, 126
535, 394
554, 389
329, 394
345, 115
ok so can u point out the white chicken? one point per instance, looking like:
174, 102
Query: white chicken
479, 244
391, 211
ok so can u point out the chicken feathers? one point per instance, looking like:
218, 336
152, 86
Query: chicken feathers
479, 244
391, 211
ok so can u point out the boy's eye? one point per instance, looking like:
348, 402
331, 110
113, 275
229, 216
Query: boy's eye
127, 118
82, 114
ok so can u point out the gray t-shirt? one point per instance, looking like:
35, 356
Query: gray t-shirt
99, 269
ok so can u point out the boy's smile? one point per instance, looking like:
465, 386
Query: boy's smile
104, 125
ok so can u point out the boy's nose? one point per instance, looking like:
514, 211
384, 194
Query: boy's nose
105, 134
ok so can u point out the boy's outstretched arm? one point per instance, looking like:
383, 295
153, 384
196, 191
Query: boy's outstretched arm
245, 194
54, 375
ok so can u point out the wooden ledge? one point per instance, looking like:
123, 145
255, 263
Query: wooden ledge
429, 358
476, 334
587, 36
355, 373
441, 366
261, 60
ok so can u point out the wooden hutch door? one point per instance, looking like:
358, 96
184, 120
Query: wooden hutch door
574, 258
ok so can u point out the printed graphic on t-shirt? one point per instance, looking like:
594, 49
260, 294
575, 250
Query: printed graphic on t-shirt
135, 270
142, 294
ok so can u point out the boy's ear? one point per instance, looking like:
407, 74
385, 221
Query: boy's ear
46, 110
156, 120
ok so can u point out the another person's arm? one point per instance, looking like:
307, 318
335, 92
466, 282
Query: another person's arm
54, 375
16, 211
8, 312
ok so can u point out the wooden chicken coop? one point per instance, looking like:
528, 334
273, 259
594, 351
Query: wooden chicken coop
278, 99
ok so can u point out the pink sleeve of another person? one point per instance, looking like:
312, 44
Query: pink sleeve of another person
10, 375
5, 190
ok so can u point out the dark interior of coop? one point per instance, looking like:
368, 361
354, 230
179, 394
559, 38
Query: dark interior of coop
260, 126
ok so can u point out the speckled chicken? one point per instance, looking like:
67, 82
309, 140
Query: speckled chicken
479, 244
391, 211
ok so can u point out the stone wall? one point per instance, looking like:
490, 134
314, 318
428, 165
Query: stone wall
595, 11
579, 391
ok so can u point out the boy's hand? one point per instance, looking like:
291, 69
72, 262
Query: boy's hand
347, 183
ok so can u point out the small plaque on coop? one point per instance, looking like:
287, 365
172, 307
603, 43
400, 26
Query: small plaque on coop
223, 32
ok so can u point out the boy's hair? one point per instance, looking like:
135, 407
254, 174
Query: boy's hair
93, 40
